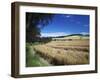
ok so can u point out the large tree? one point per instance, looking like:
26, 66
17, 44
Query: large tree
34, 23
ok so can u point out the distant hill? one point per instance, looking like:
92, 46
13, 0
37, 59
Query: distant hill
73, 36
82, 35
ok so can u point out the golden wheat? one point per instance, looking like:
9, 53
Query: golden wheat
64, 54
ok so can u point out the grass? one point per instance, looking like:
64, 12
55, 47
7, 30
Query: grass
62, 57
70, 43
64, 53
33, 59
72, 52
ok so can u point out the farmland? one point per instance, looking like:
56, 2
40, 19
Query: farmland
59, 52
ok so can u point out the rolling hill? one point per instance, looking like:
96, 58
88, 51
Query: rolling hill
73, 36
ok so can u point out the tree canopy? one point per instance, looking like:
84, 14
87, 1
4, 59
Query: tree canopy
34, 23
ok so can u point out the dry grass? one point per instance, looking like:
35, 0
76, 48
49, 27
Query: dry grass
84, 42
65, 52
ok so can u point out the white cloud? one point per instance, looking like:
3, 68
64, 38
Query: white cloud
55, 34
84, 33
68, 16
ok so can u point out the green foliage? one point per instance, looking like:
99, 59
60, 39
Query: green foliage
33, 59
34, 23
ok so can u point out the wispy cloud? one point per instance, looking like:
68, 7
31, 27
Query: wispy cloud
85, 25
78, 22
55, 34
84, 33
68, 16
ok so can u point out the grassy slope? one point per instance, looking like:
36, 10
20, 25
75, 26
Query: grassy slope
73, 36
33, 59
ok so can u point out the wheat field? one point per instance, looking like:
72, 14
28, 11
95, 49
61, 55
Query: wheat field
64, 52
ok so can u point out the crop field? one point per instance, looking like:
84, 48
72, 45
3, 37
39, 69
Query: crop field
73, 52
57, 39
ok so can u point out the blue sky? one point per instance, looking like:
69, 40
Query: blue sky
64, 24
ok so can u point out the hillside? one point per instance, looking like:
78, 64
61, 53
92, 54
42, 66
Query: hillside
73, 36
